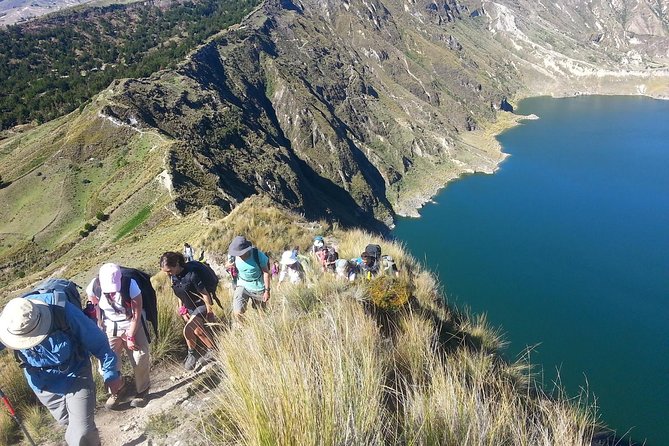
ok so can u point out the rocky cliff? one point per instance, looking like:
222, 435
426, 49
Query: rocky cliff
353, 109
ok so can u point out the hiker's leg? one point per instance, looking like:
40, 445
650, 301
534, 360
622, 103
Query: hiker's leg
55, 404
201, 332
189, 336
117, 344
257, 301
240, 299
81, 429
140, 360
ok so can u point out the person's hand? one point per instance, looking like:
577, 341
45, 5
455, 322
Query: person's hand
116, 385
210, 316
130, 341
265, 296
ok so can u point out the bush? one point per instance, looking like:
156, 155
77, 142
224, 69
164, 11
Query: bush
101, 216
89, 227
389, 293
83, 233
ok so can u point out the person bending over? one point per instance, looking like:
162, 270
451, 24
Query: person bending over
53, 340
195, 306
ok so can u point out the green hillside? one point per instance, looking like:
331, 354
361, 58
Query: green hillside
50, 66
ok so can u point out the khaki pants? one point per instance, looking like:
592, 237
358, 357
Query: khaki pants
139, 359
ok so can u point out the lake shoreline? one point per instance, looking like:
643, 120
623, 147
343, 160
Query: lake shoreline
486, 140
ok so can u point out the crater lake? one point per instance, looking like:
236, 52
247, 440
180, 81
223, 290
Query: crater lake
566, 248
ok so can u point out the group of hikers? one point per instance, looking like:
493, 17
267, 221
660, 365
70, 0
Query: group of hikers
368, 265
53, 336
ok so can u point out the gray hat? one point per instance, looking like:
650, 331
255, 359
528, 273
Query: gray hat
239, 246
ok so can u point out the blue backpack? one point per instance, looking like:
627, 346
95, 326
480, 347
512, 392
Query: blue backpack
65, 347
61, 289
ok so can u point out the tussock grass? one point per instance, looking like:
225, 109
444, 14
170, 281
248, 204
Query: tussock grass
41, 426
170, 342
8, 429
297, 380
321, 367
161, 424
13, 383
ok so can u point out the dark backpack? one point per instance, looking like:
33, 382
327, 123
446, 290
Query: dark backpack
374, 251
208, 277
149, 299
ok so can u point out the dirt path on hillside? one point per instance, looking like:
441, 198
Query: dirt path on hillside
172, 414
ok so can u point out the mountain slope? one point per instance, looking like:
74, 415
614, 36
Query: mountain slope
354, 111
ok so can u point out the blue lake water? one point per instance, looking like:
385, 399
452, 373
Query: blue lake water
566, 248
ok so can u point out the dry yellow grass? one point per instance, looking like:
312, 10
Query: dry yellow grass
320, 367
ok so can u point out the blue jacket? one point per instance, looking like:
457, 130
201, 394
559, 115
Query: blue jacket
63, 357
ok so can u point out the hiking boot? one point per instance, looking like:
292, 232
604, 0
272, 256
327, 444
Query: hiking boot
140, 399
191, 360
111, 401
115, 398
208, 357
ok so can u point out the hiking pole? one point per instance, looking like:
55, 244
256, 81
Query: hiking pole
12, 412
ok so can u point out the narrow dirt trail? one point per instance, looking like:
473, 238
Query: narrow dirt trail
171, 415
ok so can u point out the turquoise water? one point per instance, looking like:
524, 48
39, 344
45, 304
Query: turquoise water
566, 248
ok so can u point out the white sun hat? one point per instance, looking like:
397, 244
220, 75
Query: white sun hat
288, 258
24, 323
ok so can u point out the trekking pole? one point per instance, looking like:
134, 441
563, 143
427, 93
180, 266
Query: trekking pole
12, 412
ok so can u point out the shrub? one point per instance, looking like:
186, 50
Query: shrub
90, 227
101, 216
389, 293
83, 233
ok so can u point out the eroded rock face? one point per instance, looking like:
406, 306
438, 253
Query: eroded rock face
337, 108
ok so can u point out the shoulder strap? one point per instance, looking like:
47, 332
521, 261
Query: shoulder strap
256, 257
125, 291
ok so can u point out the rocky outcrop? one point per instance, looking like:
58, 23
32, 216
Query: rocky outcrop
340, 109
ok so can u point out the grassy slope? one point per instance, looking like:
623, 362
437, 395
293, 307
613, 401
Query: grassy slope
66, 172
326, 362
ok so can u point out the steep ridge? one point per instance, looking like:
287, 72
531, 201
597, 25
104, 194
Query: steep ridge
345, 108
355, 111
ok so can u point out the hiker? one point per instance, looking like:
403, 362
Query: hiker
54, 342
319, 244
122, 319
254, 276
321, 256
189, 255
291, 268
196, 306
331, 256
232, 271
346, 269
275, 270
369, 267
389, 266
